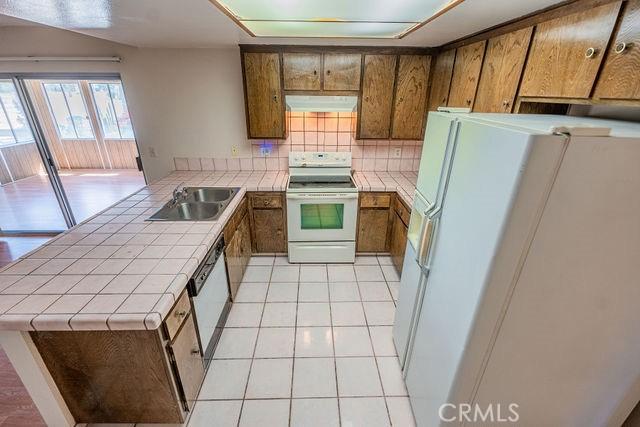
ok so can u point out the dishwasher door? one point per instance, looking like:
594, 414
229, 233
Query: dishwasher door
211, 308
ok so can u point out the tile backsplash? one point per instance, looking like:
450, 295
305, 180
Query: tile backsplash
329, 131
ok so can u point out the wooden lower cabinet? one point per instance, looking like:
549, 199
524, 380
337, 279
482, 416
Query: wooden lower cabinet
374, 216
237, 251
135, 376
268, 222
399, 230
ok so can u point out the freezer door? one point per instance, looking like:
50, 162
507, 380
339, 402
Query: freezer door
440, 131
484, 178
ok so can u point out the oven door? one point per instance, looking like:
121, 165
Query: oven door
322, 217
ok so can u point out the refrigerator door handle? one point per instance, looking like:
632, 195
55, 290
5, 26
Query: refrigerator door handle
426, 238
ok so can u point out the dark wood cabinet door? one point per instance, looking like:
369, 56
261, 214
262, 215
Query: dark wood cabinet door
566, 53
466, 74
245, 242
263, 92
620, 76
374, 119
441, 80
235, 270
269, 230
342, 71
501, 71
410, 101
302, 71
398, 242
373, 222
189, 364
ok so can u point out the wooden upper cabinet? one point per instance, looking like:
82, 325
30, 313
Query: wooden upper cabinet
374, 117
263, 92
466, 73
503, 63
342, 71
566, 53
441, 81
410, 101
620, 76
302, 71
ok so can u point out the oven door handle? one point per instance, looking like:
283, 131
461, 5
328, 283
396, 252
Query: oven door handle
308, 196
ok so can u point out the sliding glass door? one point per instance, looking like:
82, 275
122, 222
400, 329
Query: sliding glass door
28, 202
86, 126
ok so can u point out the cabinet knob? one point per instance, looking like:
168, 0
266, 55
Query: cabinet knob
591, 52
468, 102
195, 351
620, 47
328, 72
275, 98
401, 99
315, 72
181, 313
366, 98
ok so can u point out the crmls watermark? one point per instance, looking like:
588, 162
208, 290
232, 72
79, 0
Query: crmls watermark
495, 413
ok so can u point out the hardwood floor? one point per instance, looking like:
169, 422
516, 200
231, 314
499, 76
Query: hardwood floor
30, 204
16, 407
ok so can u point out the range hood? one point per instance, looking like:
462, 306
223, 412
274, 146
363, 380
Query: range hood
321, 103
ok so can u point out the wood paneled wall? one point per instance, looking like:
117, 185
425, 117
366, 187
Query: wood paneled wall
23, 161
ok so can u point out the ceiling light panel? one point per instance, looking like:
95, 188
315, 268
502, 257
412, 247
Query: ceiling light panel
331, 18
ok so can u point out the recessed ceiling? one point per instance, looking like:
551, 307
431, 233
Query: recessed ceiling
332, 18
197, 23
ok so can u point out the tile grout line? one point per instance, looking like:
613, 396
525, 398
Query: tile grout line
295, 334
333, 346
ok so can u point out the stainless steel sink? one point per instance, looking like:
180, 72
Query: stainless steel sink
210, 194
195, 204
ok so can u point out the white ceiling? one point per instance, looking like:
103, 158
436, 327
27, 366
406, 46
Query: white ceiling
198, 23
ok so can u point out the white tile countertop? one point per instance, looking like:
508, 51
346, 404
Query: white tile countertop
117, 270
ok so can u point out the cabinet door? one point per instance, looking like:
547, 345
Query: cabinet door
501, 71
441, 80
398, 242
264, 100
620, 76
245, 242
377, 96
269, 230
466, 73
342, 71
301, 71
189, 364
234, 263
372, 230
410, 101
566, 53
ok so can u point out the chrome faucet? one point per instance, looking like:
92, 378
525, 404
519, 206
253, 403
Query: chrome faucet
178, 193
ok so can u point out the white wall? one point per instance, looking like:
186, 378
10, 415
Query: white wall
183, 102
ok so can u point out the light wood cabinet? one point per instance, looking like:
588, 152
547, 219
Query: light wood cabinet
374, 222
263, 95
410, 100
374, 118
620, 76
441, 80
466, 73
302, 71
566, 53
501, 71
268, 222
342, 71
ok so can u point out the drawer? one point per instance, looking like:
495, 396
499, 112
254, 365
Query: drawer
375, 200
177, 314
266, 201
402, 211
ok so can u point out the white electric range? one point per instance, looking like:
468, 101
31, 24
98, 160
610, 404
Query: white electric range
322, 208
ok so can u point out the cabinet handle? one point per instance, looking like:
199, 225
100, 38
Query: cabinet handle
366, 98
468, 102
401, 99
275, 98
328, 72
181, 313
591, 52
195, 351
620, 47
315, 72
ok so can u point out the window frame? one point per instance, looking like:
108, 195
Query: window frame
108, 83
3, 111
66, 102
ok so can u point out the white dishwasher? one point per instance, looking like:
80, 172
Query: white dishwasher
209, 290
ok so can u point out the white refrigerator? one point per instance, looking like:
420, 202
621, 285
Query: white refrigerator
521, 279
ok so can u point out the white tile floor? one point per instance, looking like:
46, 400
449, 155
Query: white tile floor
308, 345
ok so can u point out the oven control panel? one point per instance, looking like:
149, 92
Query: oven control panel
319, 159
